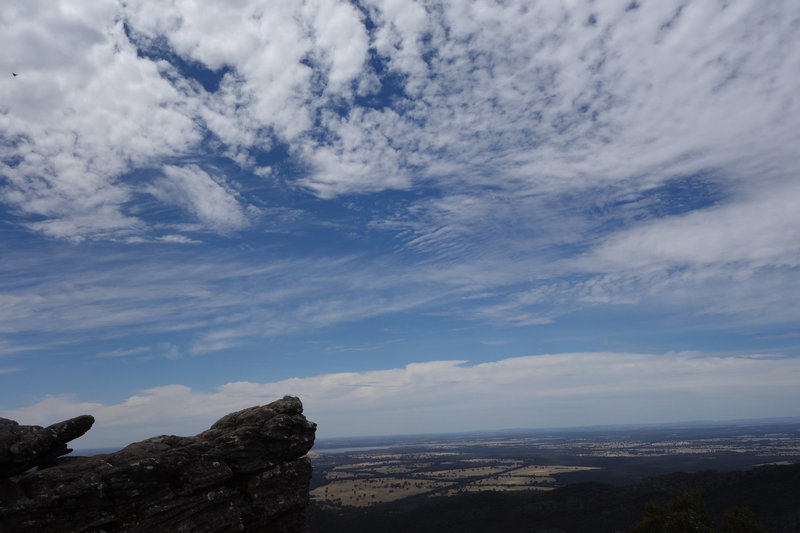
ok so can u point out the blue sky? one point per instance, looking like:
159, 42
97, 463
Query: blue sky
416, 215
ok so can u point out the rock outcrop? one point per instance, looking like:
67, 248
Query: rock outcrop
248, 472
25, 447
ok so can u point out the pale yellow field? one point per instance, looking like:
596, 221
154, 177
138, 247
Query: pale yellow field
370, 483
393, 469
366, 492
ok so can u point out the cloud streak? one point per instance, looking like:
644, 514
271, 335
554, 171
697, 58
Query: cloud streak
550, 390
208, 199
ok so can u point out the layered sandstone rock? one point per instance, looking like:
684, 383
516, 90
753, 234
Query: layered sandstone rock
248, 472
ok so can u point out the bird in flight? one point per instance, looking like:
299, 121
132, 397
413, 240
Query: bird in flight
14, 74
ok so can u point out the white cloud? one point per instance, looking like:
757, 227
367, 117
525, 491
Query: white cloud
218, 300
533, 100
172, 238
400, 27
530, 99
126, 352
756, 231
266, 45
358, 159
529, 140
208, 198
533, 391
342, 40
74, 125
551, 141
74, 122
539, 155
168, 350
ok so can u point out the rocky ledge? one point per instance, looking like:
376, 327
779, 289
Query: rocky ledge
248, 472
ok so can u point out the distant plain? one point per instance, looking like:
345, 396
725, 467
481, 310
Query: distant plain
365, 472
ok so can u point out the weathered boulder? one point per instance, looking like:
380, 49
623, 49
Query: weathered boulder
25, 447
247, 473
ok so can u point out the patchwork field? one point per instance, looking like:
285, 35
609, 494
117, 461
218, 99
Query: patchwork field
360, 477
387, 478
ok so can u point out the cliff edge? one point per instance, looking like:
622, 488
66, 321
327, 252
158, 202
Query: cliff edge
248, 472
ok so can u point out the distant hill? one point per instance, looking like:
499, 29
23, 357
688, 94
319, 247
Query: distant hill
772, 492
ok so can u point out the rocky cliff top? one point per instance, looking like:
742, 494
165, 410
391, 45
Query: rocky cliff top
246, 473
25, 447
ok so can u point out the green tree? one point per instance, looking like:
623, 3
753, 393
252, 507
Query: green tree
685, 513
740, 520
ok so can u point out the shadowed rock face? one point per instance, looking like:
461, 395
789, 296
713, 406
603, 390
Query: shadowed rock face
246, 473
25, 447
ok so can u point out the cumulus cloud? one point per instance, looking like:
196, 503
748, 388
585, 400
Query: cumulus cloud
83, 111
358, 157
341, 41
75, 126
551, 390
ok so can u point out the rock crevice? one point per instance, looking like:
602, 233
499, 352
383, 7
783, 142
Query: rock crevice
248, 472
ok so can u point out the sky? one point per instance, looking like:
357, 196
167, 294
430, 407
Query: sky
417, 216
